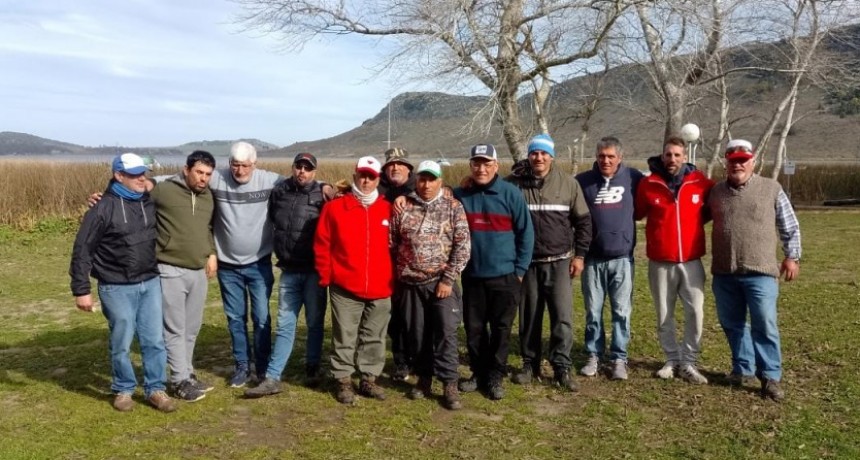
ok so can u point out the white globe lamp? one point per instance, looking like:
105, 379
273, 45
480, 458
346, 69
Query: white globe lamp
690, 133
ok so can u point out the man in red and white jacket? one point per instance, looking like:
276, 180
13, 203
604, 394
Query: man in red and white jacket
353, 259
673, 198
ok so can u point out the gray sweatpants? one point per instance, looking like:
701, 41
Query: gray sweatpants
669, 281
183, 294
358, 333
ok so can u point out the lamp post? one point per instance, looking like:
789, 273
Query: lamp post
690, 133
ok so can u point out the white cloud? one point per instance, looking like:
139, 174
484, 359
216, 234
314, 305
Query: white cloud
159, 72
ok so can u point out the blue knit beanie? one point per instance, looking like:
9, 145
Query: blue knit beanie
542, 142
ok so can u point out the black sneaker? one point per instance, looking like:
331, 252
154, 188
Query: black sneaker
525, 375
495, 390
201, 385
564, 380
401, 373
186, 391
469, 385
241, 377
313, 377
422, 389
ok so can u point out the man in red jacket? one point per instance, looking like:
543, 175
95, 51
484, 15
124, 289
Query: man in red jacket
353, 259
673, 199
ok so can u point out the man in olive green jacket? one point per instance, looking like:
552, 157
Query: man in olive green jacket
185, 250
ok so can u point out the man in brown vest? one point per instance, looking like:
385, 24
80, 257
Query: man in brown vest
749, 212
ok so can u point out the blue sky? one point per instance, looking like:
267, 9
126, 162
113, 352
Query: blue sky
166, 72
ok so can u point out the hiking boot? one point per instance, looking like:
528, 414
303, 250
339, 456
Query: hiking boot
772, 389
266, 388
469, 385
422, 389
123, 402
666, 372
739, 380
345, 392
524, 376
161, 401
186, 391
368, 387
591, 366
313, 377
201, 385
692, 375
564, 380
401, 373
619, 370
495, 390
451, 398
240, 377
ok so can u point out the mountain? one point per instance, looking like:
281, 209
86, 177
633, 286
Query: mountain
12, 143
433, 124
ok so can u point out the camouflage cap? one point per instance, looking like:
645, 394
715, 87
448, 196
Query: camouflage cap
398, 155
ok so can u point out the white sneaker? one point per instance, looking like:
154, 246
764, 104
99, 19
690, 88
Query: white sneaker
619, 370
692, 375
667, 371
590, 368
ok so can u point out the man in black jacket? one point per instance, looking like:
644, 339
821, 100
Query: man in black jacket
294, 208
562, 225
116, 246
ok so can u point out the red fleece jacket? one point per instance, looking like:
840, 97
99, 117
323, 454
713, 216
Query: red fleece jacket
675, 229
351, 247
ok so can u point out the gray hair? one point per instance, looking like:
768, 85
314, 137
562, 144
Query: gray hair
610, 142
243, 151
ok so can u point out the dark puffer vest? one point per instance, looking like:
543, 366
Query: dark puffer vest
295, 211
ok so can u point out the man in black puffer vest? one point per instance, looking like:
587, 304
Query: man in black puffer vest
294, 208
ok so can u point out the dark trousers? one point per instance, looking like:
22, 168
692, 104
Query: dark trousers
431, 329
547, 286
397, 330
490, 305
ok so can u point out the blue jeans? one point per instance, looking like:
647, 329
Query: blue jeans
238, 284
755, 345
295, 290
135, 309
613, 278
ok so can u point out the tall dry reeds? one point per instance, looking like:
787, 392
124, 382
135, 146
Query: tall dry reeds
34, 190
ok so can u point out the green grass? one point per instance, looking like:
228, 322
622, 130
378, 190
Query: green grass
55, 402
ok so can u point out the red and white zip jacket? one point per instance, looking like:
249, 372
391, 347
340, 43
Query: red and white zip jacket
351, 247
675, 229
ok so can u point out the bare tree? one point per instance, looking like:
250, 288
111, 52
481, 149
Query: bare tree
507, 46
681, 39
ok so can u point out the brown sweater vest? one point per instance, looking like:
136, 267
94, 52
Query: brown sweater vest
744, 236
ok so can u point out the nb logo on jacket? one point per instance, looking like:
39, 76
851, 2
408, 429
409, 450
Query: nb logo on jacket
609, 195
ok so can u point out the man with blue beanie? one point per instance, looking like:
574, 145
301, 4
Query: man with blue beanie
562, 228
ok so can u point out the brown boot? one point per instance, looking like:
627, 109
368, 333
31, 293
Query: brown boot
368, 387
345, 393
451, 398
422, 389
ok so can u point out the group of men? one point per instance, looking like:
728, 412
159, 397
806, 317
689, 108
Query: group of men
389, 247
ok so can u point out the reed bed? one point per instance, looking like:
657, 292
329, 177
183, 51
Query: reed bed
32, 191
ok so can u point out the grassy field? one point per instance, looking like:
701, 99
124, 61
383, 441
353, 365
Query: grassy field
55, 402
